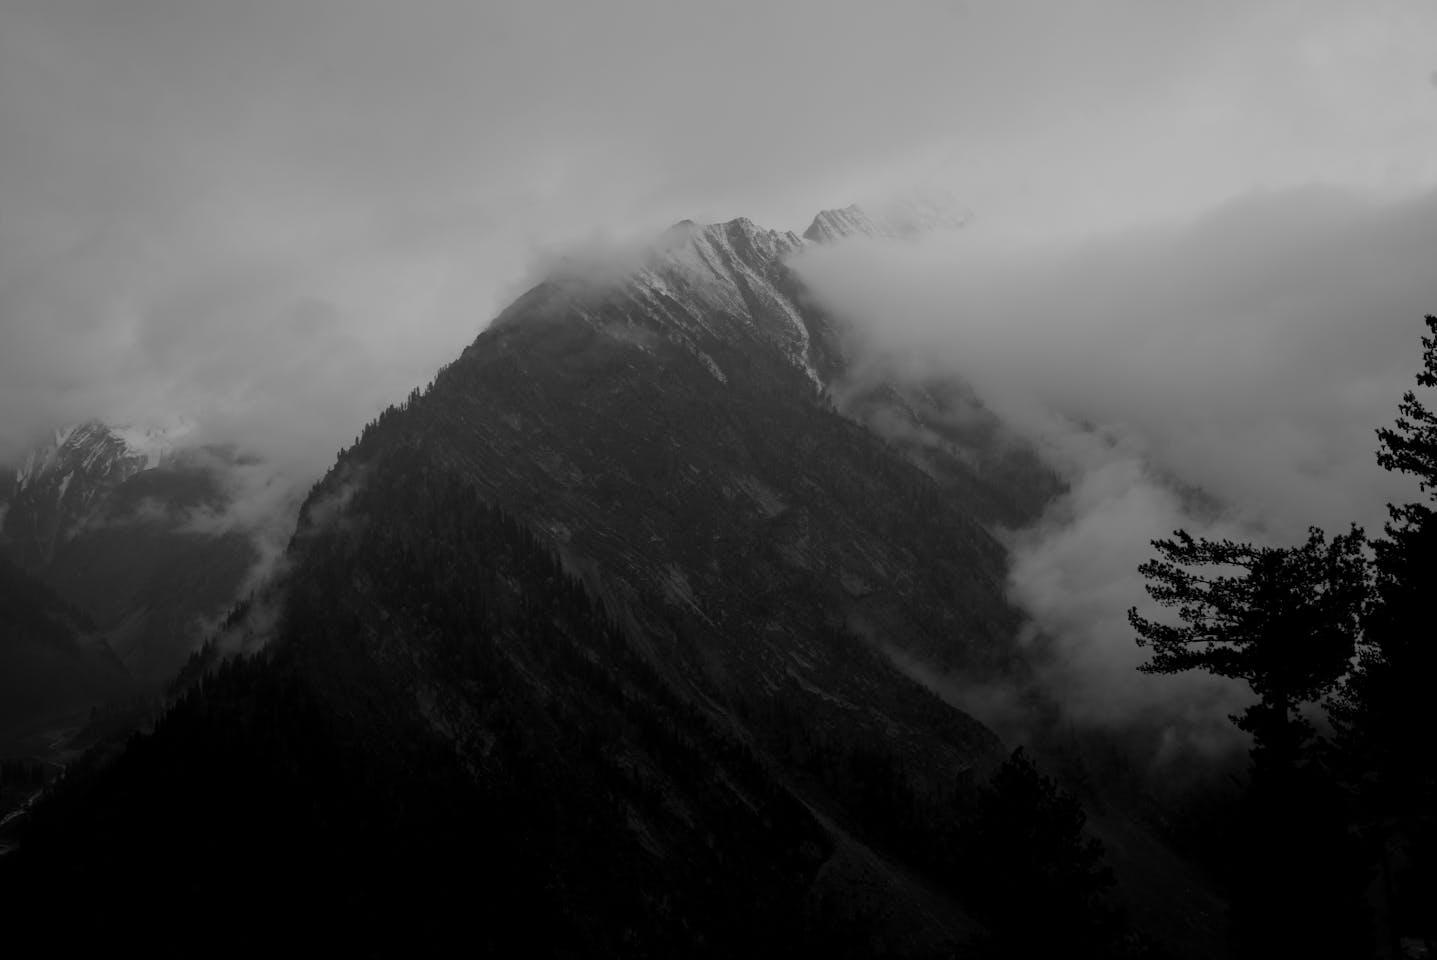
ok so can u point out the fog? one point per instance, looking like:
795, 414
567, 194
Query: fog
1223, 374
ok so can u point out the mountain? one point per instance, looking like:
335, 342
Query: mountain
55, 489
52, 664
112, 519
668, 432
591, 648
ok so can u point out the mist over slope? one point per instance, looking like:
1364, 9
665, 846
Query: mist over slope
1222, 374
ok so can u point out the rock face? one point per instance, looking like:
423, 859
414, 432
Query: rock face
106, 517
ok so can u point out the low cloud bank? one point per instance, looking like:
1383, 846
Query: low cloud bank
1224, 375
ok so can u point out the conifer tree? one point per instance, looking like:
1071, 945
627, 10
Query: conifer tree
1284, 620
1386, 728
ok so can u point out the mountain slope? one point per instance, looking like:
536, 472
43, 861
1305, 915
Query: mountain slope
666, 428
51, 664
448, 728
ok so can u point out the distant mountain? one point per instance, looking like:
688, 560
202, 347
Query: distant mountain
55, 490
590, 649
111, 518
52, 664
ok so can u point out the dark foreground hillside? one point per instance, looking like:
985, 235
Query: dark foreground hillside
448, 739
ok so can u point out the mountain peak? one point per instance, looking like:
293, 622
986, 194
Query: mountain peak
756, 244
703, 287
836, 224
98, 448
904, 217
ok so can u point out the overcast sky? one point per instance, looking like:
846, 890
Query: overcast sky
273, 217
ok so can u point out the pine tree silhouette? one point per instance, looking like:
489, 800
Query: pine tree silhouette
1284, 620
1386, 729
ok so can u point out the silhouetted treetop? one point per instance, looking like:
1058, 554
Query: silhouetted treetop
1282, 619
1410, 444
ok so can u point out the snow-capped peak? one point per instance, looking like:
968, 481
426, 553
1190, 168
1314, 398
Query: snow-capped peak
698, 284
99, 449
850, 221
904, 216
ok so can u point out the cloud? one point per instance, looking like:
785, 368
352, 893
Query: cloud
264, 508
1074, 574
1251, 351
260, 501
1223, 374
